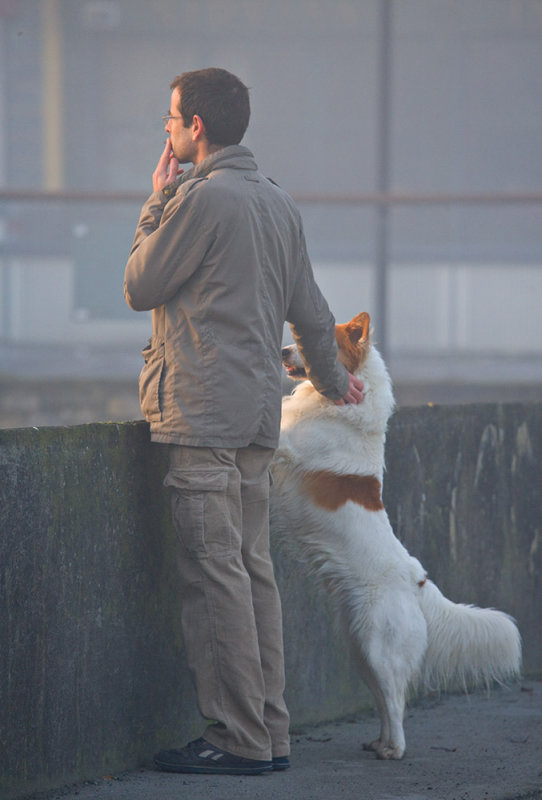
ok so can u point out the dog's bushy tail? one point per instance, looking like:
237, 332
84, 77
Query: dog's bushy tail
467, 646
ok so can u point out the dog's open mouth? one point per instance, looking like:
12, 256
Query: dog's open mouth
292, 363
295, 372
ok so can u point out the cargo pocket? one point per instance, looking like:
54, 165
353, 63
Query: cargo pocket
201, 512
149, 382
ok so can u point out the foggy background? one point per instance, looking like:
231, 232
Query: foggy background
408, 131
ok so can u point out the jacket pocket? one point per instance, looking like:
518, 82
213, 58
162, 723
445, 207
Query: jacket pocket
150, 382
201, 512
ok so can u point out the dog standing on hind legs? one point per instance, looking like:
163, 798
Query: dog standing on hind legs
327, 513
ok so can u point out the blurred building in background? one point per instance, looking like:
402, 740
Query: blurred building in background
409, 132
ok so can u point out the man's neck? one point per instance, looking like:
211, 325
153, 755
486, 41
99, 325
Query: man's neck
205, 149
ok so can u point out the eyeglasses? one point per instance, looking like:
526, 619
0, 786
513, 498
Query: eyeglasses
166, 118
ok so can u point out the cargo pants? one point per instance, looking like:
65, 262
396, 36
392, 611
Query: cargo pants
231, 614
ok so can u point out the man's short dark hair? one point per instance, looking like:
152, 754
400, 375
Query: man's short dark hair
219, 98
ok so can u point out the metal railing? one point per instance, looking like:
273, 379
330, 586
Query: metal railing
303, 198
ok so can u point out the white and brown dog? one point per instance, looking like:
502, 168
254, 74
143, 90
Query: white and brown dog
327, 511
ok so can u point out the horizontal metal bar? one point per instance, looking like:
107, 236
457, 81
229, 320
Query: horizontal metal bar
391, 199
304, 198
70, 195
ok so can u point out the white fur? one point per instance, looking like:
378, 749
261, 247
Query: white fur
404, 633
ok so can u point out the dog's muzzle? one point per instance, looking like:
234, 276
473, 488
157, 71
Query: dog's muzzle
293, 363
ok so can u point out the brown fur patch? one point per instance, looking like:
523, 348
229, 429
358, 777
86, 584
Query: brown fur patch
329, 490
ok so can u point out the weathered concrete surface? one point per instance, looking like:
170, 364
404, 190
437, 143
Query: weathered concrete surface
463, 490
93, 674
92, 667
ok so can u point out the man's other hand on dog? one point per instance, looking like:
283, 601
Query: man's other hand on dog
354, 394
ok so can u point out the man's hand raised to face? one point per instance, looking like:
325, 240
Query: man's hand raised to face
167, 170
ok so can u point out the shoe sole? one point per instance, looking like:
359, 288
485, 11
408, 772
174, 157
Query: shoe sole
208, 770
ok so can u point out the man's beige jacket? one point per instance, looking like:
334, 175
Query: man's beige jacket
220, 258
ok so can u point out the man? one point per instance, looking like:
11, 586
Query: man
219, 256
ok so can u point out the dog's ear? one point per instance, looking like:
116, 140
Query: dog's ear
358, 329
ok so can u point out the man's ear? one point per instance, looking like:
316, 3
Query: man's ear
198, 127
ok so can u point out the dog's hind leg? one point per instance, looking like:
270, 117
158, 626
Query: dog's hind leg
381, 745
391, 646
390, 698
391, 702
350, 605
387, 682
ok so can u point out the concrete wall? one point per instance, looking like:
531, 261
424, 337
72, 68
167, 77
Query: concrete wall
93, 677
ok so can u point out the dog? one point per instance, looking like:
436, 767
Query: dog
327, 510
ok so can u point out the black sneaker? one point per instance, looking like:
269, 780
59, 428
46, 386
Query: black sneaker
203, 757
280, 763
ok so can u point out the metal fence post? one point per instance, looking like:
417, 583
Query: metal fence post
383, 173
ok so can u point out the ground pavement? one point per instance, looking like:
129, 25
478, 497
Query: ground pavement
476, 747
